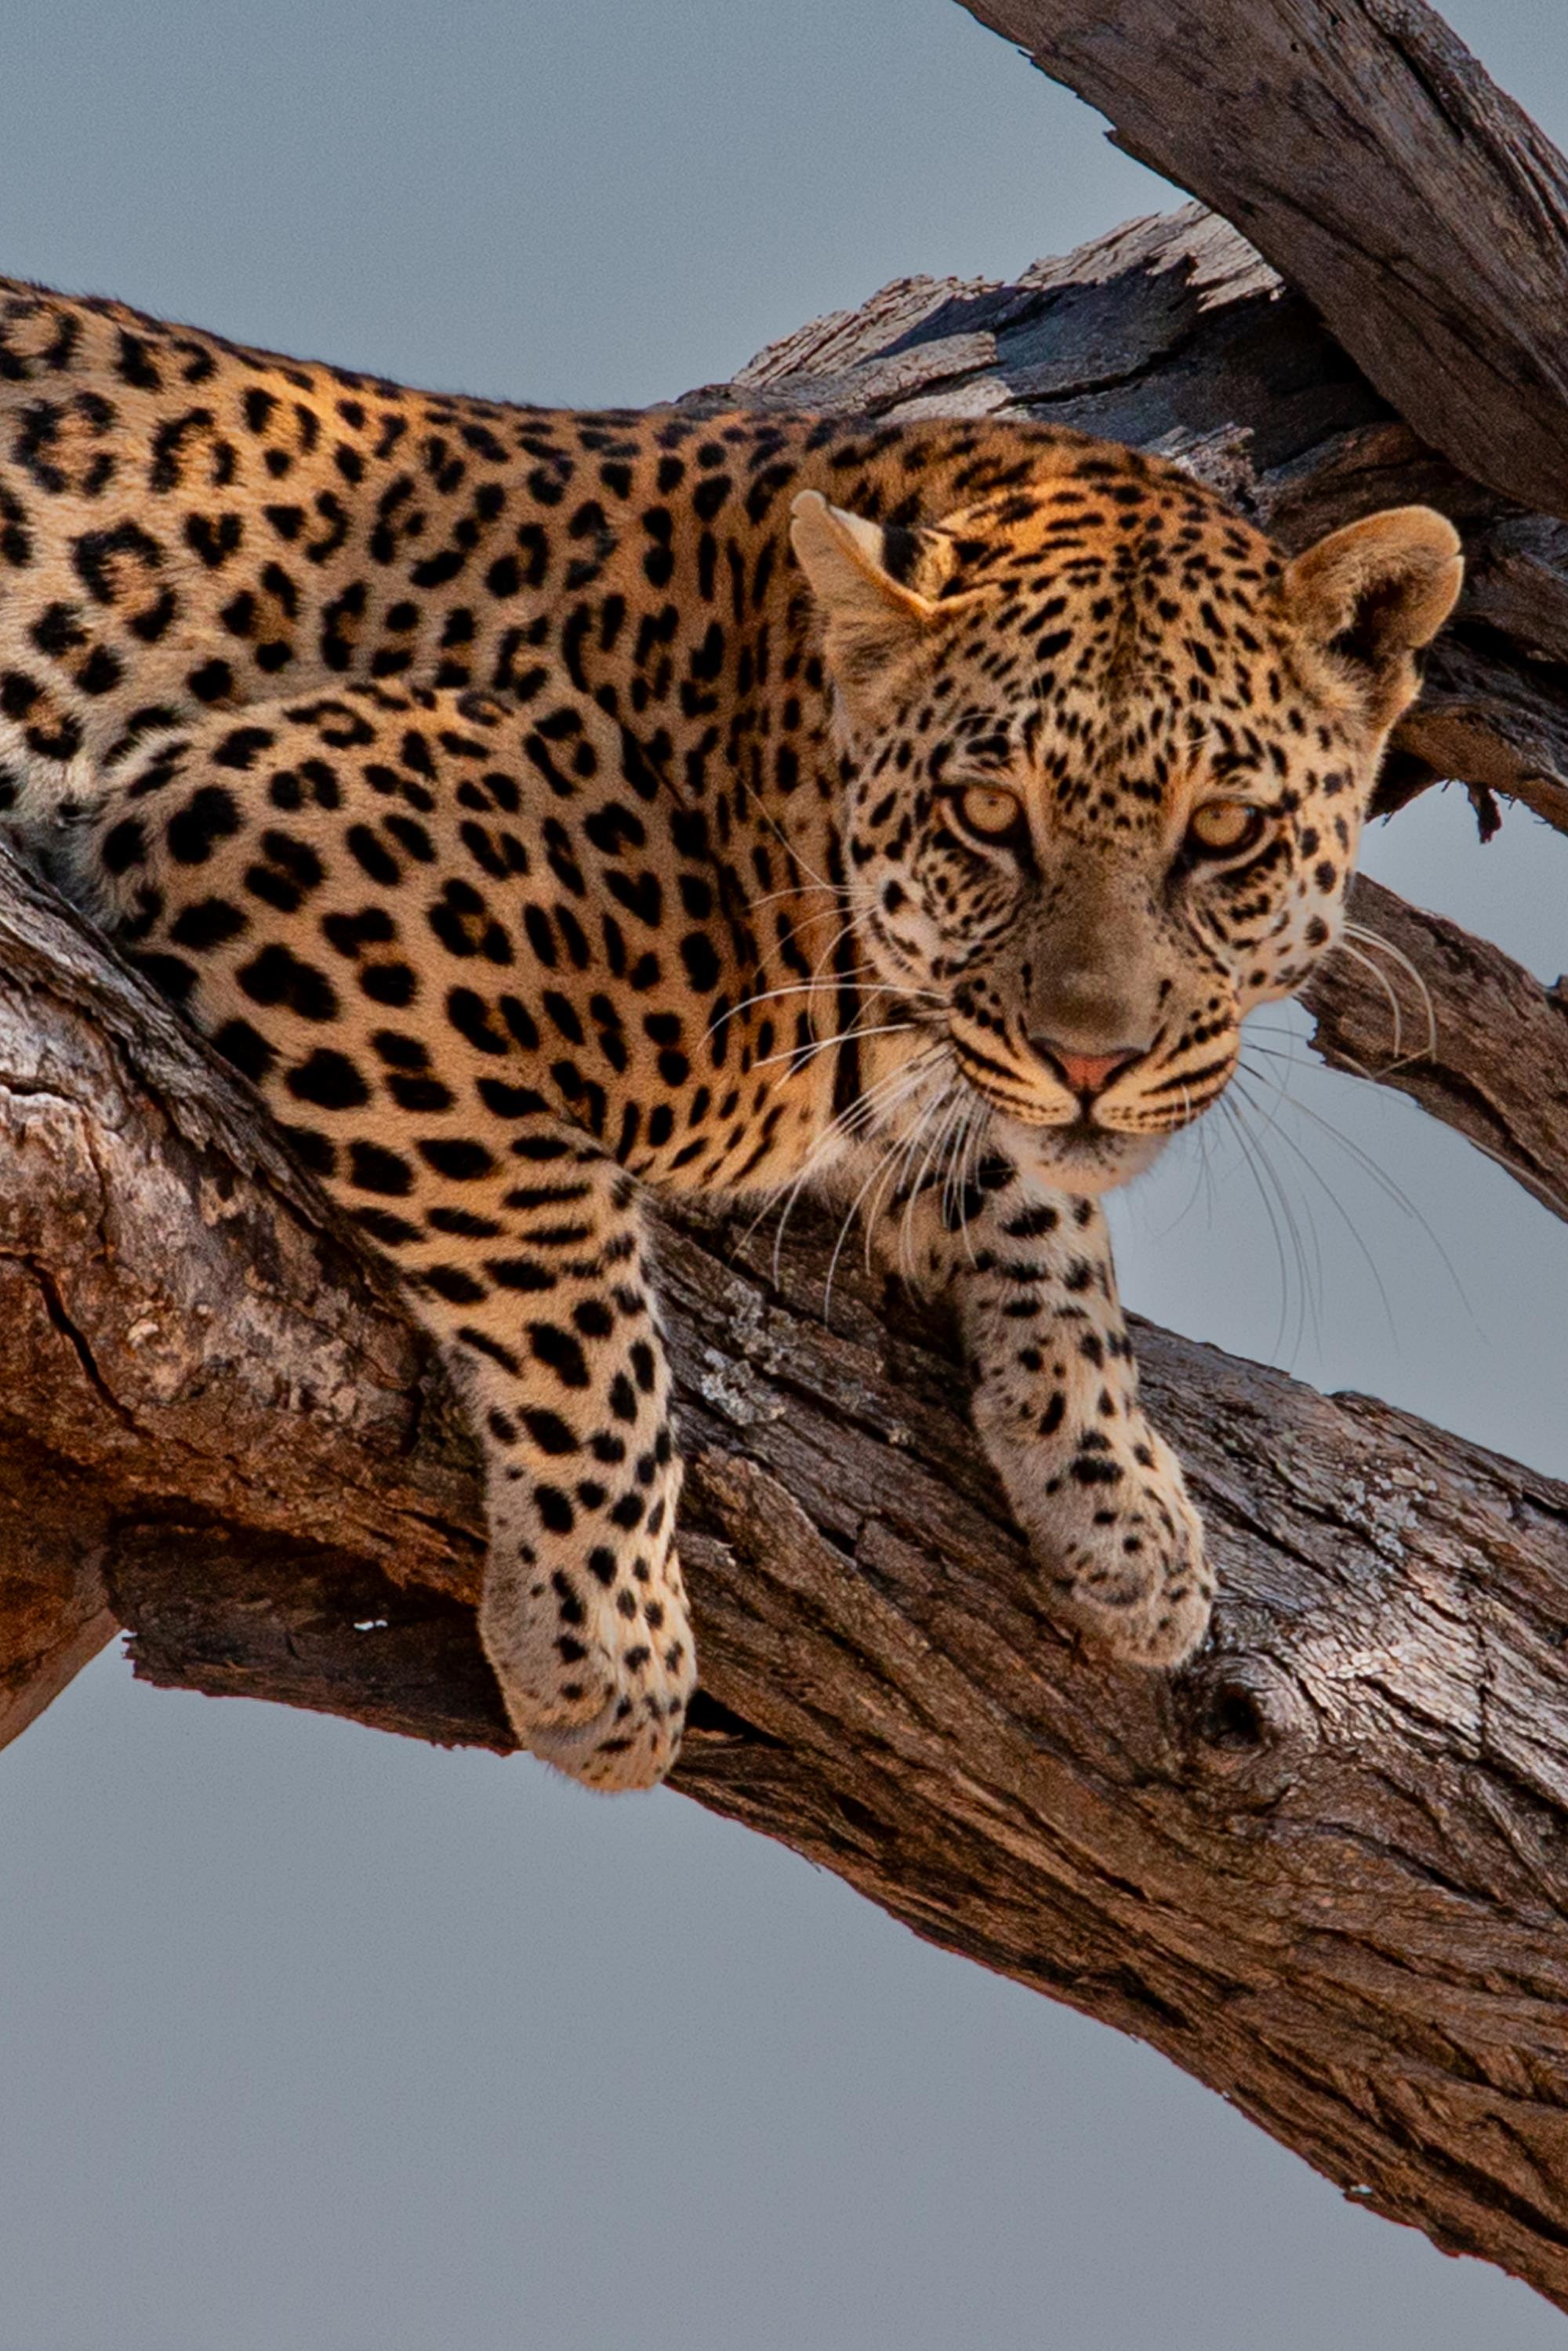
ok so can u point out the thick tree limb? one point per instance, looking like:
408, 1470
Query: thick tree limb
1478, 1042
191, 1360
1170, 333
1325, 1868
1375, 165
1322, 1869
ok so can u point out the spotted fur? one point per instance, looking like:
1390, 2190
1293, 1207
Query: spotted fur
540, 808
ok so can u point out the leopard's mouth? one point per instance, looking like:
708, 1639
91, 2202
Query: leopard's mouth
1009, 1095
1079, 1153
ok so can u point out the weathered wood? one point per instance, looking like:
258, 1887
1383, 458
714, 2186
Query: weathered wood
1325, 1868
1374, 163
1459, 1026
183, 1338
1172, 334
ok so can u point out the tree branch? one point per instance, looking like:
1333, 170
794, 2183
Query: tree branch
1373, 161
1457, 1025
192, 1359
1171, 334
1323, 1868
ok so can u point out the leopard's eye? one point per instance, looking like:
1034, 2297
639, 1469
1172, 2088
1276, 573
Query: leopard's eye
1224, 829
989, 813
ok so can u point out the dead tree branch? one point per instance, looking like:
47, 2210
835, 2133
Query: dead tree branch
1372, 160
1480, 1044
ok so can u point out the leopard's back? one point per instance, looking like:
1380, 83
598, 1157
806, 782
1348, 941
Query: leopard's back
537, 806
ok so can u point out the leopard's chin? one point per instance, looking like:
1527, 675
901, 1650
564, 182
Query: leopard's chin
1084, 1158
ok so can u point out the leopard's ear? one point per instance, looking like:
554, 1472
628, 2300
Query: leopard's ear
875, 586
1373, 593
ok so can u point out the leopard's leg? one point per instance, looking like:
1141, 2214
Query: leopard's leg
353, 896
1098, 1492
549, 1323
526, 1261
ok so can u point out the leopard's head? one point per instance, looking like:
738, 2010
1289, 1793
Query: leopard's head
1107, 755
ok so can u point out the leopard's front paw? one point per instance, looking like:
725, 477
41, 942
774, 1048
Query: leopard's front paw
596, 1666
1113, 1528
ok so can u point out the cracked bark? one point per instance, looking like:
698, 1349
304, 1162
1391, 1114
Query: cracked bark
1370, 158
1324, 1869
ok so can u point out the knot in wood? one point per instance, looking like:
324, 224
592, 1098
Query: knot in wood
1246, 1720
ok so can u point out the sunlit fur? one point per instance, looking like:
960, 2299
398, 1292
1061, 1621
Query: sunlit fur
543, 809
1118, 653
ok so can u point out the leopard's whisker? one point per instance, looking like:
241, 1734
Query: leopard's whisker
856, 902
797, 988
1203, 1178
979, 1127
876, 1102
1346, 1219
956, 1156
802, 890
804, 1053
878, 1170
1370, 938
966, 1112
1362, 1159
906, 1161
953, 1101
836, 984
1345, 948
1233, 1119
790, 847
1284, 1225
879, 1101
885, 1164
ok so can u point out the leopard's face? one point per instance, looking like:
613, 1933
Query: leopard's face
1107, 757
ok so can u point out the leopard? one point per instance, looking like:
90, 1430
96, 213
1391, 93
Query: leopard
545, 811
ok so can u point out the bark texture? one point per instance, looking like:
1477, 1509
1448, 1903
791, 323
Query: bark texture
1368, 157
1325, 1869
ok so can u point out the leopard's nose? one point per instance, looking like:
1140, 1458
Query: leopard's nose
1086, 1073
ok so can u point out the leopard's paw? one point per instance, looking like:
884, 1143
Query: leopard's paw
596, 1675
1122, 1546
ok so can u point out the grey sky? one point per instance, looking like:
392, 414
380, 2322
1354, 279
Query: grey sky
312, 2040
